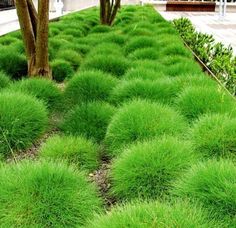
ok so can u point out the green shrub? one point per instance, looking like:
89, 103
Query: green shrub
89, 120
116, 65
43, 89
12, 63
143, 73
211, 183
214, 135
145, 53
45, 194
18, 47
147, 170
61, 70
140, 120
89, 86
195, 101
154, 214
4, 80
106, 49
170, 60
73, 57
73, 32
140, 42
114, 38
163, 90
23, 120
74, 150
150, 65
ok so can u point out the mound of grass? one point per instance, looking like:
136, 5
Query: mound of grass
145, 53
61, 70
54, 194
140, 120
163, 90
154, 214
71, 56
23, 120
183, 68
89, 86
43, 89
106, 49
147, 170
7, 40
74, 150
176, 49
142, 73
195, 101
100, 29
214, 135
140, 42
116, 65
89, 120
114, 38
150, 65
212, 183
4, 80
12, 63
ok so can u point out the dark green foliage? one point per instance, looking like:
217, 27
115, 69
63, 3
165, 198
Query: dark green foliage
44, 194
43, 89
23, 119
61, 70
100, 29
140, 120
12, 63
7, 40
89, 86
163, 90
147, 170
176, 49
4, 80
214, 135
89, 120
70, 56
74, 150
195, 101
116, 65
211, 183
154, 214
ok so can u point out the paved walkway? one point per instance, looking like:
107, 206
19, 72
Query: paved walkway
223, 30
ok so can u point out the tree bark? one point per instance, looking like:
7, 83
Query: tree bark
34, 28
108, 11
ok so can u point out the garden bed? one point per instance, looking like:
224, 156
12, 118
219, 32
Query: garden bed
130, 133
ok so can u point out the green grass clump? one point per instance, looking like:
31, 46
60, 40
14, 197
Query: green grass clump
23, 120
143, 73
89, 86
114, 38
195, 101
12, 63
43, 89
74, 150
140, 120
106, 49
61, 70
139, 43
176, 49
100, 29
154, 214
71, 56
116, 65
153, 65
89, 120
147, 170
212, 183
163, 90
45, 194
7, 40
4, 80
214, 135
145, 53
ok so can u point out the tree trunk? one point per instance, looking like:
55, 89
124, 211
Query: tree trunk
34, 28
108, 11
